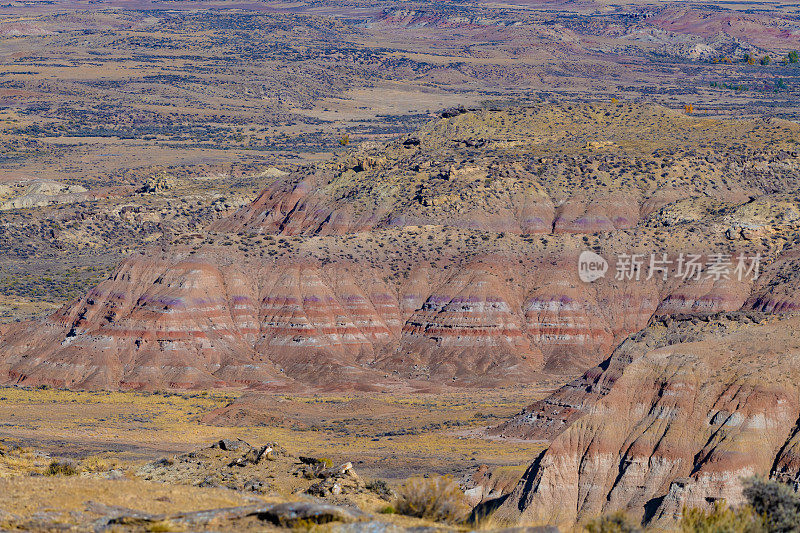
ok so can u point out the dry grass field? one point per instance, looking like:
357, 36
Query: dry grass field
387, 435
107, 437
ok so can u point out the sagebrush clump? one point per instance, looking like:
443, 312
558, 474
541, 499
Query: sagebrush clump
721, 519
775, 502
772, 507
61, 468
381, 488
437, 498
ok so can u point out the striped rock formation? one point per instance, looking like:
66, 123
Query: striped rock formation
218, 318
680, 414
447, 258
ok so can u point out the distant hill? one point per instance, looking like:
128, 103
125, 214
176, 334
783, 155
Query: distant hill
449, 257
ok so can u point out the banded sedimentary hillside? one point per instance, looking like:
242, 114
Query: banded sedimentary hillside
678, 417
444, 258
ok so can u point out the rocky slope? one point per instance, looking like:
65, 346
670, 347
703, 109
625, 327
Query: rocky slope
548, 169
57, 239
677, 417
773, 293
449, 257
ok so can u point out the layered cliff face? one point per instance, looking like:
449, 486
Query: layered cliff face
394, 315
677, 417
216, 319
689, 302
449, 257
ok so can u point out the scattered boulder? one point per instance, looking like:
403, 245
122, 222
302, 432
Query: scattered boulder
253, 456
235, 464
230, 445
289, 514
336, 481
293, 514
44, 193
256, 485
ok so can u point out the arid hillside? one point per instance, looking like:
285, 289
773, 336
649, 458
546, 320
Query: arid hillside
680, 415
448, 258
58, 238
99, 99
345, 265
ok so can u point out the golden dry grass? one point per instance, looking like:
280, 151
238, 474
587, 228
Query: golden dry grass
64, 499
105, 431
382, 434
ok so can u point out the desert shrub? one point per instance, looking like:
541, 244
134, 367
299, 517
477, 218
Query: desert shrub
776, 502
721, 519
617, 522
437, 498
380, 487
99, 463
61, 468
162, 526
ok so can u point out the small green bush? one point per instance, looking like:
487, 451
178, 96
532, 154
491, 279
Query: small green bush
380, 487
776, 502
437, 498
61, 468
